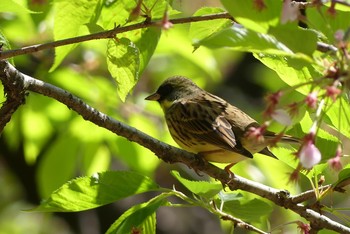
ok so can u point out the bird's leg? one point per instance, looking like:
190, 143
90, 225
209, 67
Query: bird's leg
229, 172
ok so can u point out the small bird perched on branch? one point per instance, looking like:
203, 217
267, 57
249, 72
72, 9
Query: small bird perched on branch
207, 125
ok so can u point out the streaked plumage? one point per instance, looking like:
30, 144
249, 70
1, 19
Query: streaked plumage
203, 123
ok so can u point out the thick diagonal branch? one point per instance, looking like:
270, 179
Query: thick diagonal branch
169, 153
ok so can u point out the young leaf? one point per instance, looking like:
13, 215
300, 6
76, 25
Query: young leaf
251, 17
202, 188
291, 70
327, 24
343, 177
243, 39
70, 16
13, 6
58, 164
123, 63
140, 217
90, 192
339, 116
201, 30
308, 37
252, 210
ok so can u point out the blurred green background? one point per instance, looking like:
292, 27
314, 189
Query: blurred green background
46, 144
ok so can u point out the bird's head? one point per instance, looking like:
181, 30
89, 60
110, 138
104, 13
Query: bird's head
174, 89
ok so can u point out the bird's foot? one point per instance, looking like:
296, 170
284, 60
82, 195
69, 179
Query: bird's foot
231, 175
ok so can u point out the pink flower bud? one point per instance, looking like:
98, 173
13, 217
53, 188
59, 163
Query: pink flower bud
304, 227
259, 5
335, 162
332, 92
256, 134
165, 23
311, 99
339, 35
309, 155
290, 12
282, 117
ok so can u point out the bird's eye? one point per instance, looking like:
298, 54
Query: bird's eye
165, 89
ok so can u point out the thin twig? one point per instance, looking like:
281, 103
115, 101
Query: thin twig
107, 34
323, 47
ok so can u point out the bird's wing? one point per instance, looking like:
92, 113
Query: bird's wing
204, 120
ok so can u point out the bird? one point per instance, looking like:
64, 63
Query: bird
207, 125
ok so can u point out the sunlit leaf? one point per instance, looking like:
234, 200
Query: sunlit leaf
201, 30
250, 16
343, 177
201, 188
100, 189
252, 210
326, 24
242, 39
139, 217
13, 6
308, 37
339, 116
123, 63
70, 16
58, 164
292, 70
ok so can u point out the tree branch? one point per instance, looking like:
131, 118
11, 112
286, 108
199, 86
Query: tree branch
108, 34
164, 151
14, 92
323, 47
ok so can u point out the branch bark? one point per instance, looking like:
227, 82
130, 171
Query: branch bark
168, 153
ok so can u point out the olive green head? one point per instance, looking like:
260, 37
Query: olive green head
174, 89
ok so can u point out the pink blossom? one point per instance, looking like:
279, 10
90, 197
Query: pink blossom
309, 155
332, 92
311, 99
339, 35
304, 228
335, 162
272, 101
165, 23
290, 12
257, 133
282, 117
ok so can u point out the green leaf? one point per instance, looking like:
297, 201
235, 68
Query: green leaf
115, 13
140, 217
202, 30
292, 70
246, 40
13, 6
327, 24
339, 116
201, 188
343, 177
90, 192
146, 44
58, 164
123, 63
308, 37
70, 17
247, 14
252, 210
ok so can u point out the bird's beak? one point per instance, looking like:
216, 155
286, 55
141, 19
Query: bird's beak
153, 97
